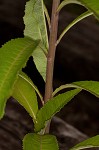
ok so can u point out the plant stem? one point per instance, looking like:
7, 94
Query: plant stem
51, 52
51, 55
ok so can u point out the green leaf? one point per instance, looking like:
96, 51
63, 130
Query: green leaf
89, 143
34, 20
78, 19
25, 94
90, 86
92, 5
66, 2
40, 142
52, 107
29, 81
13, 56
40, 61
35, 27
47, 17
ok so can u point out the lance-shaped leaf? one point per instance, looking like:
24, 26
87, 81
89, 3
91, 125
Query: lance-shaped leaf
52, 107
66, 2
13, 56
25, 94
92, 5
90, 86
35, 27
79, 18
89, 143
40, 142
29, 81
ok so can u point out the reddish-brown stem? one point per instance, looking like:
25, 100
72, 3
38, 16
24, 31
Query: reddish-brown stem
51, 55
51, 52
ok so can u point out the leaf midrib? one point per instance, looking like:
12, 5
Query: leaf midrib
33, 86
39, 28
34, 116
12, 65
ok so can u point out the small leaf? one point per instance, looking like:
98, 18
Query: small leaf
40, 142
66, 2
35, 27
92, 5
89, 143
52, 107
13, 56
75, 21
90, 86
25, 94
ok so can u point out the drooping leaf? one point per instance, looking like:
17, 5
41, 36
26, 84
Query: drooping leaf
40, 142
92, 5
35, 27
24, 93
90, 86
89, 143
66, 2
75, 21
52, 107
13, 56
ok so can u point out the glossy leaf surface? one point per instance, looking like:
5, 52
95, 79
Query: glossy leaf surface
13, 56
35, 27
25, 94
52, 107
89, 143
40, 142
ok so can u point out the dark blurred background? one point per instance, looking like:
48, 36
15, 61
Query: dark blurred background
77, 58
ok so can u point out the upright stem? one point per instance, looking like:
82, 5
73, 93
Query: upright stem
51, 52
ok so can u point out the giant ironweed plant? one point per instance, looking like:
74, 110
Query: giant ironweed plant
13, 82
